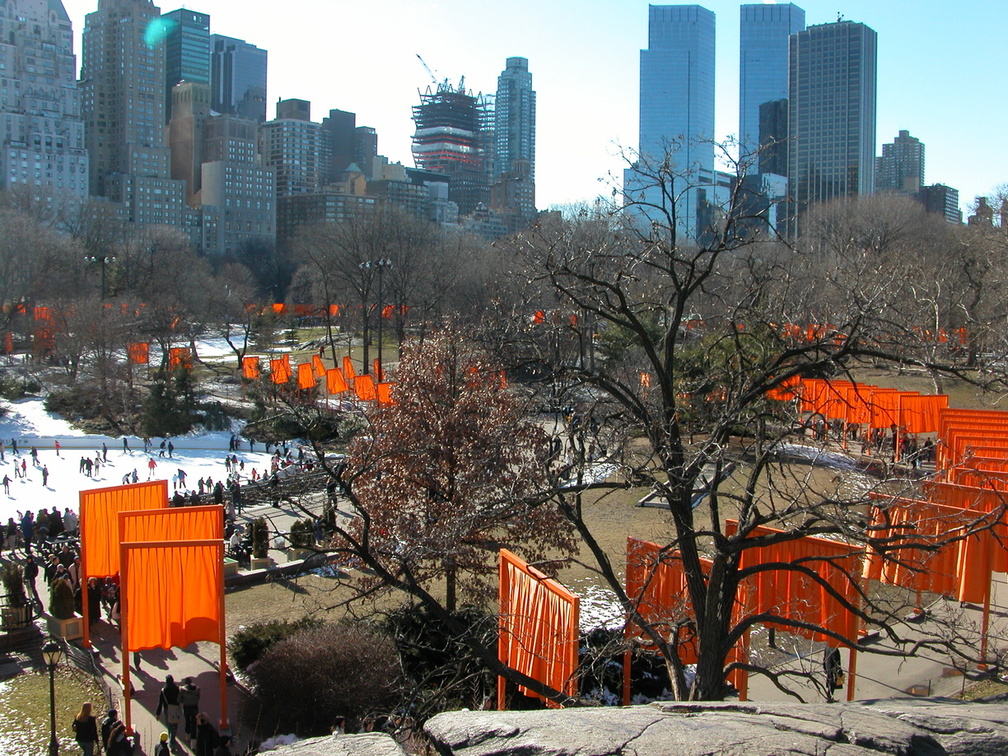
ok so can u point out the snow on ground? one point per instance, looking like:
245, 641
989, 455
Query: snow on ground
200, 455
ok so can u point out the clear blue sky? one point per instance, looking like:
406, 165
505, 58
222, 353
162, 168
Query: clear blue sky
939, 72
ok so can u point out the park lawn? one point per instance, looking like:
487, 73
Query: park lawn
24, 710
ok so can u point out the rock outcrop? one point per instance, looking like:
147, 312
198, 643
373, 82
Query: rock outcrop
903, 727
363, 744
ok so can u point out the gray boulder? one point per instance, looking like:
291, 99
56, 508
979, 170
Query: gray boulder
362, 744
902, 727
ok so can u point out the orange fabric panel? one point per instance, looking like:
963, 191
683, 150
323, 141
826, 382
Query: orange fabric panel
8, 343
348, 369
279, 308
797, 597
180, 357
385, 393
990, 508
306, 378
920, 414
171, 593
335, 383
280, 369
99, 521
334, 310
202, 523
538, 626
883, 407
250, 368
317, 367
364, 388
656, 584
139, 353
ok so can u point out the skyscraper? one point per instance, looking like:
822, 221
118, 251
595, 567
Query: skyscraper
238, 78
291, 145
187, 50
901, 167
831, 145
676, 108
452, 137
763, 63
122, 83
514, 117
338, 138
40, 108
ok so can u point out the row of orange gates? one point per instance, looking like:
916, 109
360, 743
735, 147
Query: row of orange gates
169, 562
950, 542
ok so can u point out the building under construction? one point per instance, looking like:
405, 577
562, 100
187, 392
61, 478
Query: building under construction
454, 137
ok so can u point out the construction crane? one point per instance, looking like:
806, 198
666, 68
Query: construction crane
443, 84
427, 68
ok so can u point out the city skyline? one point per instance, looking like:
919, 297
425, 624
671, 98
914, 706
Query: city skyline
591, 69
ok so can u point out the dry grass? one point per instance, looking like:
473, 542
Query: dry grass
24, 711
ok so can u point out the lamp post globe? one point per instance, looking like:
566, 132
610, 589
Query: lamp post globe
52, 655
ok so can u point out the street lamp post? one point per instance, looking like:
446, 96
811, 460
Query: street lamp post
104, 261
52, 655
380, 266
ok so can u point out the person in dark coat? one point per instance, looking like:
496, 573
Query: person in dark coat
107, 725
162, 749
169, 706
86, 730
119, 743
207, 738
189, 695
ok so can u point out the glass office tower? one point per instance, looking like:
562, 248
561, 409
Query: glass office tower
831, 145
676, 108
238, 78
763, 64
187, 51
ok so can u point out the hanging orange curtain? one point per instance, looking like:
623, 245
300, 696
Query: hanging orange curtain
179, 357
280, 369
385, 393
306, 379
364, 388
279, 308
250, 368
919, 414
171, 593
777, 588
989, 517
318, 367
883, 407
538, 628
9, 343
139, 352
335, 383
786, 390
348, 369
174, 524
334, 310
99, 522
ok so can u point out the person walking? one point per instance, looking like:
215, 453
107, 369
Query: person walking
119, 743
110, 721
85, 730
162, 452
31, 571
125, 445
171, 448
151, 464
104, 452
45, 476
206, 736
168, 704
189, 695
134, 478
56, 444
162, 749
6, 484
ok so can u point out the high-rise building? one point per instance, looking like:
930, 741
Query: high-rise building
122, 84
514, 118
773, 136
831, 144
216, 156
40, 104
676, 111
338, 138
452, 137
365, 148
238, 78
943, 200
763, 63
901, 166
291, 145
187, 50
